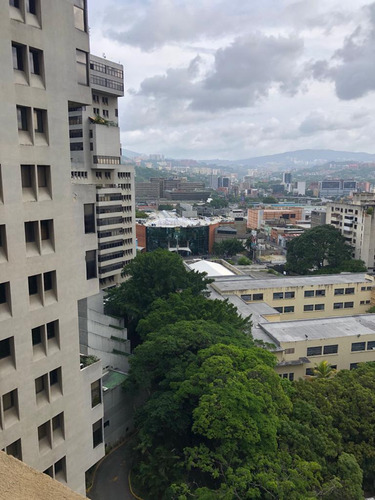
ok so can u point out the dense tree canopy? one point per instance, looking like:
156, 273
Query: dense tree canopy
228, 247
321, 249
152, 275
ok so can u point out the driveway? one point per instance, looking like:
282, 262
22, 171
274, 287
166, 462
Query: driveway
111, 478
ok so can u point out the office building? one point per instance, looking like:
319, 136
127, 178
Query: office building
356, 222
257, 216
336, 188
96, 160
287, 178
51, 412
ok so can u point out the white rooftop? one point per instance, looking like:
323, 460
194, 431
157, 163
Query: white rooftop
167, 218
322, 328
211, 268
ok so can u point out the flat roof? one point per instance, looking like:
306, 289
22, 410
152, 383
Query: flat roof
113, 378
239, 283
322, 328
167, 218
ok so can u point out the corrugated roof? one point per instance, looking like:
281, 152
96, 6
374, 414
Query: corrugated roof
211, 268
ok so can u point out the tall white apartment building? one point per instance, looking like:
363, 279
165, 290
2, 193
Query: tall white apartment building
356, 222
96, 160
50, 399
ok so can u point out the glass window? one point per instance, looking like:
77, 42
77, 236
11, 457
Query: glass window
309, 371
30, 232
319, 307
52, 329
330, 349
353, 366
18, 52
246, 298
48, 279
288, 309
320, 293
97, 433
43, 176
370, 345
89, 217
314, 351
15, 3
289, 295
278, 309
40, 385
339, 291
35, 57
91, 264
358, 346
39, 120
27, 176
338, 305
79, 15
349, 291
290, 350
6, 348
81, 58
9, 400
278, 295
36, 335
22, 119
258, 296
33, 285
309, 293
96, 393
308, 307
348, 305
31, 6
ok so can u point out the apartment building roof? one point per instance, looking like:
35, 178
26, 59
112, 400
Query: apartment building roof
238, 283
19, 482
321, 329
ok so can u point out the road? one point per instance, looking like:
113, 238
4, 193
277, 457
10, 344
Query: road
111, 478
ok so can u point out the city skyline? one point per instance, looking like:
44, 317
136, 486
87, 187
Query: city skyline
219, 80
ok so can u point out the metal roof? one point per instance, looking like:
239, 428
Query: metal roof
322, 328
211, 268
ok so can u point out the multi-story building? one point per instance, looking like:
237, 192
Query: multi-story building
256, 216
332, 188
303, 297
356, 222
50, 399
96, 160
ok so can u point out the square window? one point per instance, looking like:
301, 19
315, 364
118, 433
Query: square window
289, 295
309, 371
258, 296
348, 305
349, 291
278, 295
370, 345
353, 366
338, 305
339, 291
309, 293
288, 309
319, 307
320, 293
308, 307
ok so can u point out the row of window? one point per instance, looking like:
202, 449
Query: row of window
104, 68
107, 160
286, 309
29, 60
26, 9
114, 232
333, 349
32, 125
114, 244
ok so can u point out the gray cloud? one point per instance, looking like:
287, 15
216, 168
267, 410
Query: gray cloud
352, 67
242, 73
319, 121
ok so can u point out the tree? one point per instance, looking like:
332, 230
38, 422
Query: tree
317, 248
324, 370
218, 202
269, 200
187, 306
228, 247
152, 275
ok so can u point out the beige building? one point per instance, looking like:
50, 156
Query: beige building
50, 399
343, 342
356, 222
303, 297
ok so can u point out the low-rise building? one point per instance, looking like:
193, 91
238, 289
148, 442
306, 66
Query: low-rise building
304, 297
256, 216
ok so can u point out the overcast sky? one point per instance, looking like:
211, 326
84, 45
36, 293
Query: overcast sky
240, 78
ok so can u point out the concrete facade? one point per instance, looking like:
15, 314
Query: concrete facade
46, 413
356, 222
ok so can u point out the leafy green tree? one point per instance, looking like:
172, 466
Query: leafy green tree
244, 261
319, 247
218, 202
187, 306
228, 247
152, 276
269, 200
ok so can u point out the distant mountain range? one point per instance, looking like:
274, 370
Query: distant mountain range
300, 159
297, 159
